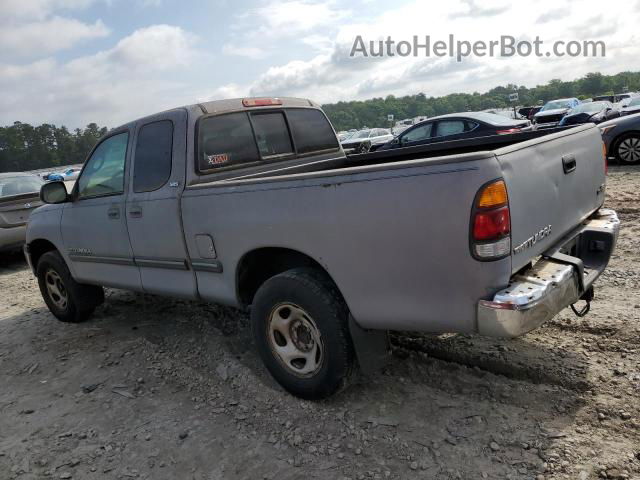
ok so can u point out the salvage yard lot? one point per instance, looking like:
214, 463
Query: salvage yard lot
166, 389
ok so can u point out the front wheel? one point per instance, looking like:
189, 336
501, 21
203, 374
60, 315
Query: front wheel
628, 149
300, 326
68, 300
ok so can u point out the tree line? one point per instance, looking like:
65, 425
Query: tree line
373, 112
24, 147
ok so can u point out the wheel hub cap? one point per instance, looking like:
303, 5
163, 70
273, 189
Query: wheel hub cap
295, 340
629, 150
56, 289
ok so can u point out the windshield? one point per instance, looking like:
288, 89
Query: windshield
592, 107
10, 186
556, 105
361, 134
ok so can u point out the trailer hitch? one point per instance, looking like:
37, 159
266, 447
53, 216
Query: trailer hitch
587, 296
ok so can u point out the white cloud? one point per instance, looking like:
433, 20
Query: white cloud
37, 9
50, 35
249, 52
334, 75
294, 16
135, 77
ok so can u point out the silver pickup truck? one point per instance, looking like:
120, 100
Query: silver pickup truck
252, 203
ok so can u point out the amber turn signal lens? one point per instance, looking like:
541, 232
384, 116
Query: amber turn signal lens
493, 195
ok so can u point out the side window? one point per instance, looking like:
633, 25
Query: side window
152, 161
226, 140
450, 127
104, 172
272, 134
421, 132
311, 130
470, 126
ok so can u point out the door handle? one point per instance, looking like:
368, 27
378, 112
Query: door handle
113, 213
569, 163
135, 212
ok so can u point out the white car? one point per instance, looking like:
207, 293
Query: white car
361, 141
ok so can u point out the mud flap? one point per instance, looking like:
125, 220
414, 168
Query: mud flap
372, 347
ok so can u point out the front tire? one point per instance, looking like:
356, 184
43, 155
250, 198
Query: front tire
627, 149
68, 300
300, 326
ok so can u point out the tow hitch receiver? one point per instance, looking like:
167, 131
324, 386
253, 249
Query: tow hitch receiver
587, 297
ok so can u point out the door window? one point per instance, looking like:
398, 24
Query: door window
152, 166
104, 172
419, 133
450, 127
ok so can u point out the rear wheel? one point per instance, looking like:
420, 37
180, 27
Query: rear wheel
628, 149
68, 300
300, 326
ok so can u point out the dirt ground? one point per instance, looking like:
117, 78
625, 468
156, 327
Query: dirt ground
154, 388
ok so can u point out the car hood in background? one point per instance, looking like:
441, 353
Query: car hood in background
548, 113
630, 110
583, 117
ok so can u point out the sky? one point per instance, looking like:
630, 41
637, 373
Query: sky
73, 62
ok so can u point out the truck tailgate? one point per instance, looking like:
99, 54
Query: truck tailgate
553, 184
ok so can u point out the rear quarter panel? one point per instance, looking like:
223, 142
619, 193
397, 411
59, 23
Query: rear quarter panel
394, 237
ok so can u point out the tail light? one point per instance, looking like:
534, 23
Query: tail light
491, 222
606, 160
508, 131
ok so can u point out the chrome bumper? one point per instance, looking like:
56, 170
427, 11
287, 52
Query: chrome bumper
553, 283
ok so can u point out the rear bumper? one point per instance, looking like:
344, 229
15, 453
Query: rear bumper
556, 281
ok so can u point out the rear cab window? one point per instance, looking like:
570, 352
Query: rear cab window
242, 139
152, 161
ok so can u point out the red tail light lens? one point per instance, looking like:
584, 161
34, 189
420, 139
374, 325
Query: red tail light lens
491, 225
491, 222
508, 131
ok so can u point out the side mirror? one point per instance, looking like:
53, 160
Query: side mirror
54, 192
395, 141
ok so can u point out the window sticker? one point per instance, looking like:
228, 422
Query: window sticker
217, 159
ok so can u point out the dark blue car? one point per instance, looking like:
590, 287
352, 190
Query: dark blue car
455, 126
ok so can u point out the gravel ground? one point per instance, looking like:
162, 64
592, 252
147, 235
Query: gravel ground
166, 389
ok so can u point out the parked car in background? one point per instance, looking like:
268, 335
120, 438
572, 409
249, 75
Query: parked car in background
362, 141
506, 112
631, 107
64, 176
455, 126
342, 136
71, 173
622, 138
19, 195
594, 112
529, 112
552, 112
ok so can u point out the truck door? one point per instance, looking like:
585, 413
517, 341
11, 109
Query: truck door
94, 228
153, 205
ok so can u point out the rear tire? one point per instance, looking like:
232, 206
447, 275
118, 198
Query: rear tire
627, 149
300, 326
68, 300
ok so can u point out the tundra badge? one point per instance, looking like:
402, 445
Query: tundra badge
532, 240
